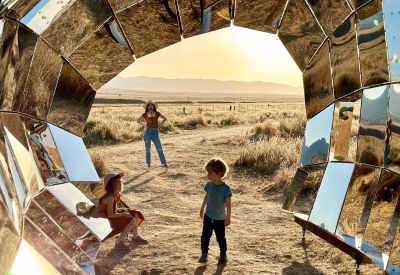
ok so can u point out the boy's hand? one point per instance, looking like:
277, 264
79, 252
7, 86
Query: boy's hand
201, 213
227, 221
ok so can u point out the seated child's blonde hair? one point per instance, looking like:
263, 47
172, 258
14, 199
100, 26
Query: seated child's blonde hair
217, 165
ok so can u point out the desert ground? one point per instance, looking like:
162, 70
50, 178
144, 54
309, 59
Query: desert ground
262, 238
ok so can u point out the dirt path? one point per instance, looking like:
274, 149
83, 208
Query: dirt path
262, 239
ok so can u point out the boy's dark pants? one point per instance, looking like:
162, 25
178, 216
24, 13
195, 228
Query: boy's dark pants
208, 226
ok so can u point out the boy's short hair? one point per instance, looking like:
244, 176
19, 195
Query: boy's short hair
217, 165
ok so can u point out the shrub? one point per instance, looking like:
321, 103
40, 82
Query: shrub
99, 163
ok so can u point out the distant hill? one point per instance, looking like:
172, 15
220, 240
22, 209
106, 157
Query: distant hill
143, 83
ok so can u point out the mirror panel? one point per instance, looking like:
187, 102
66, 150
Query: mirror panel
89, 244
344, 57
191, 16
372, 45
69, 196
317, 137
29, 261
394, 258
42, 80
216, 16
76, 24
101, 57
78, 169
55, 233
259, 15
379, 231
154, 26
294, 189
22, 7
392, 137
328, 203
392, 21
118, 5
305, 199
317, 79
355, 4
371, 134
330, 13
41, 242
72, 101
298, 19
358, 202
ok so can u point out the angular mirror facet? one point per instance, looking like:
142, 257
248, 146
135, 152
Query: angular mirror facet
42, 80
300, 33
150, 26
328, 203
216, 16
100, 58
355, 4
72, 101
317, 137
259, 15
317, 79
371, 134
371, 44
76, 24
294, 189
118, 5
392, 21
330, 13
190, 13
22, 7
358, 202
69, 196
344, 56
379, 232
78, 169
391, 158
41, 242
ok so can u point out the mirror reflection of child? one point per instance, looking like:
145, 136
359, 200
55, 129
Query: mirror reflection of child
387, 141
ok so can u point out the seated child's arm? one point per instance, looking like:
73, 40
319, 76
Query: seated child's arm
228, 212
110, 213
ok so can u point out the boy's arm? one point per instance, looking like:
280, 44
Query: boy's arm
203, 206
228, 212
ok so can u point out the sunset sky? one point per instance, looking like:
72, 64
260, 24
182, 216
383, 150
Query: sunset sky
232, 53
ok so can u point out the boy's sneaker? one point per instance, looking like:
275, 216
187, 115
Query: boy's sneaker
139, 239
121, 246
203, 258
222, 259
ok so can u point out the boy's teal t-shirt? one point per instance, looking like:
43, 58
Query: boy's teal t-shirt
216, 203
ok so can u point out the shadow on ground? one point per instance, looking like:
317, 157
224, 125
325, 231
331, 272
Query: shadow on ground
297, 268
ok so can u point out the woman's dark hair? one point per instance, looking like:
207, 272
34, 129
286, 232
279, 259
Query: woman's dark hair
154, 106
110, 187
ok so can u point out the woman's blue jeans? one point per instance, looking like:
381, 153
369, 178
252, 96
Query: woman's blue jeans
149, 136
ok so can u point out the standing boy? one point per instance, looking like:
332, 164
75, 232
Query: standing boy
218, 211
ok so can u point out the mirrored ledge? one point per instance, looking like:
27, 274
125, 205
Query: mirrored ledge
100, 58
294, 189
372, 44
317, 138
392, 136
216, 16
358, 202
29, 261
300, 33
371, 133
69, 196
41, 83
330, 13
317, 80
78, 169
384, 217
306, 197
392, 21
76, 24
41, 242
344, 59
331, 194
259, 15
190, 13
150, 26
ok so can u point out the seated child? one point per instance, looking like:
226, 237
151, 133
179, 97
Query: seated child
121, 217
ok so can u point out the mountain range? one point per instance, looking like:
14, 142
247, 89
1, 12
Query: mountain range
143, 83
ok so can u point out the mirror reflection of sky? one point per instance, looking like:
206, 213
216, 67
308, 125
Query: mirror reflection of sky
374, 105
328, 203
319, 126
391, 9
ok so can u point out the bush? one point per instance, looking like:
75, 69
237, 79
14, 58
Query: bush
99, 164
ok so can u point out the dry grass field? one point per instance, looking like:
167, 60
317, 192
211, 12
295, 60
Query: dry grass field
262, 147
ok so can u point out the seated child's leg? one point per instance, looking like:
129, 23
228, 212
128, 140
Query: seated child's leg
127, 229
